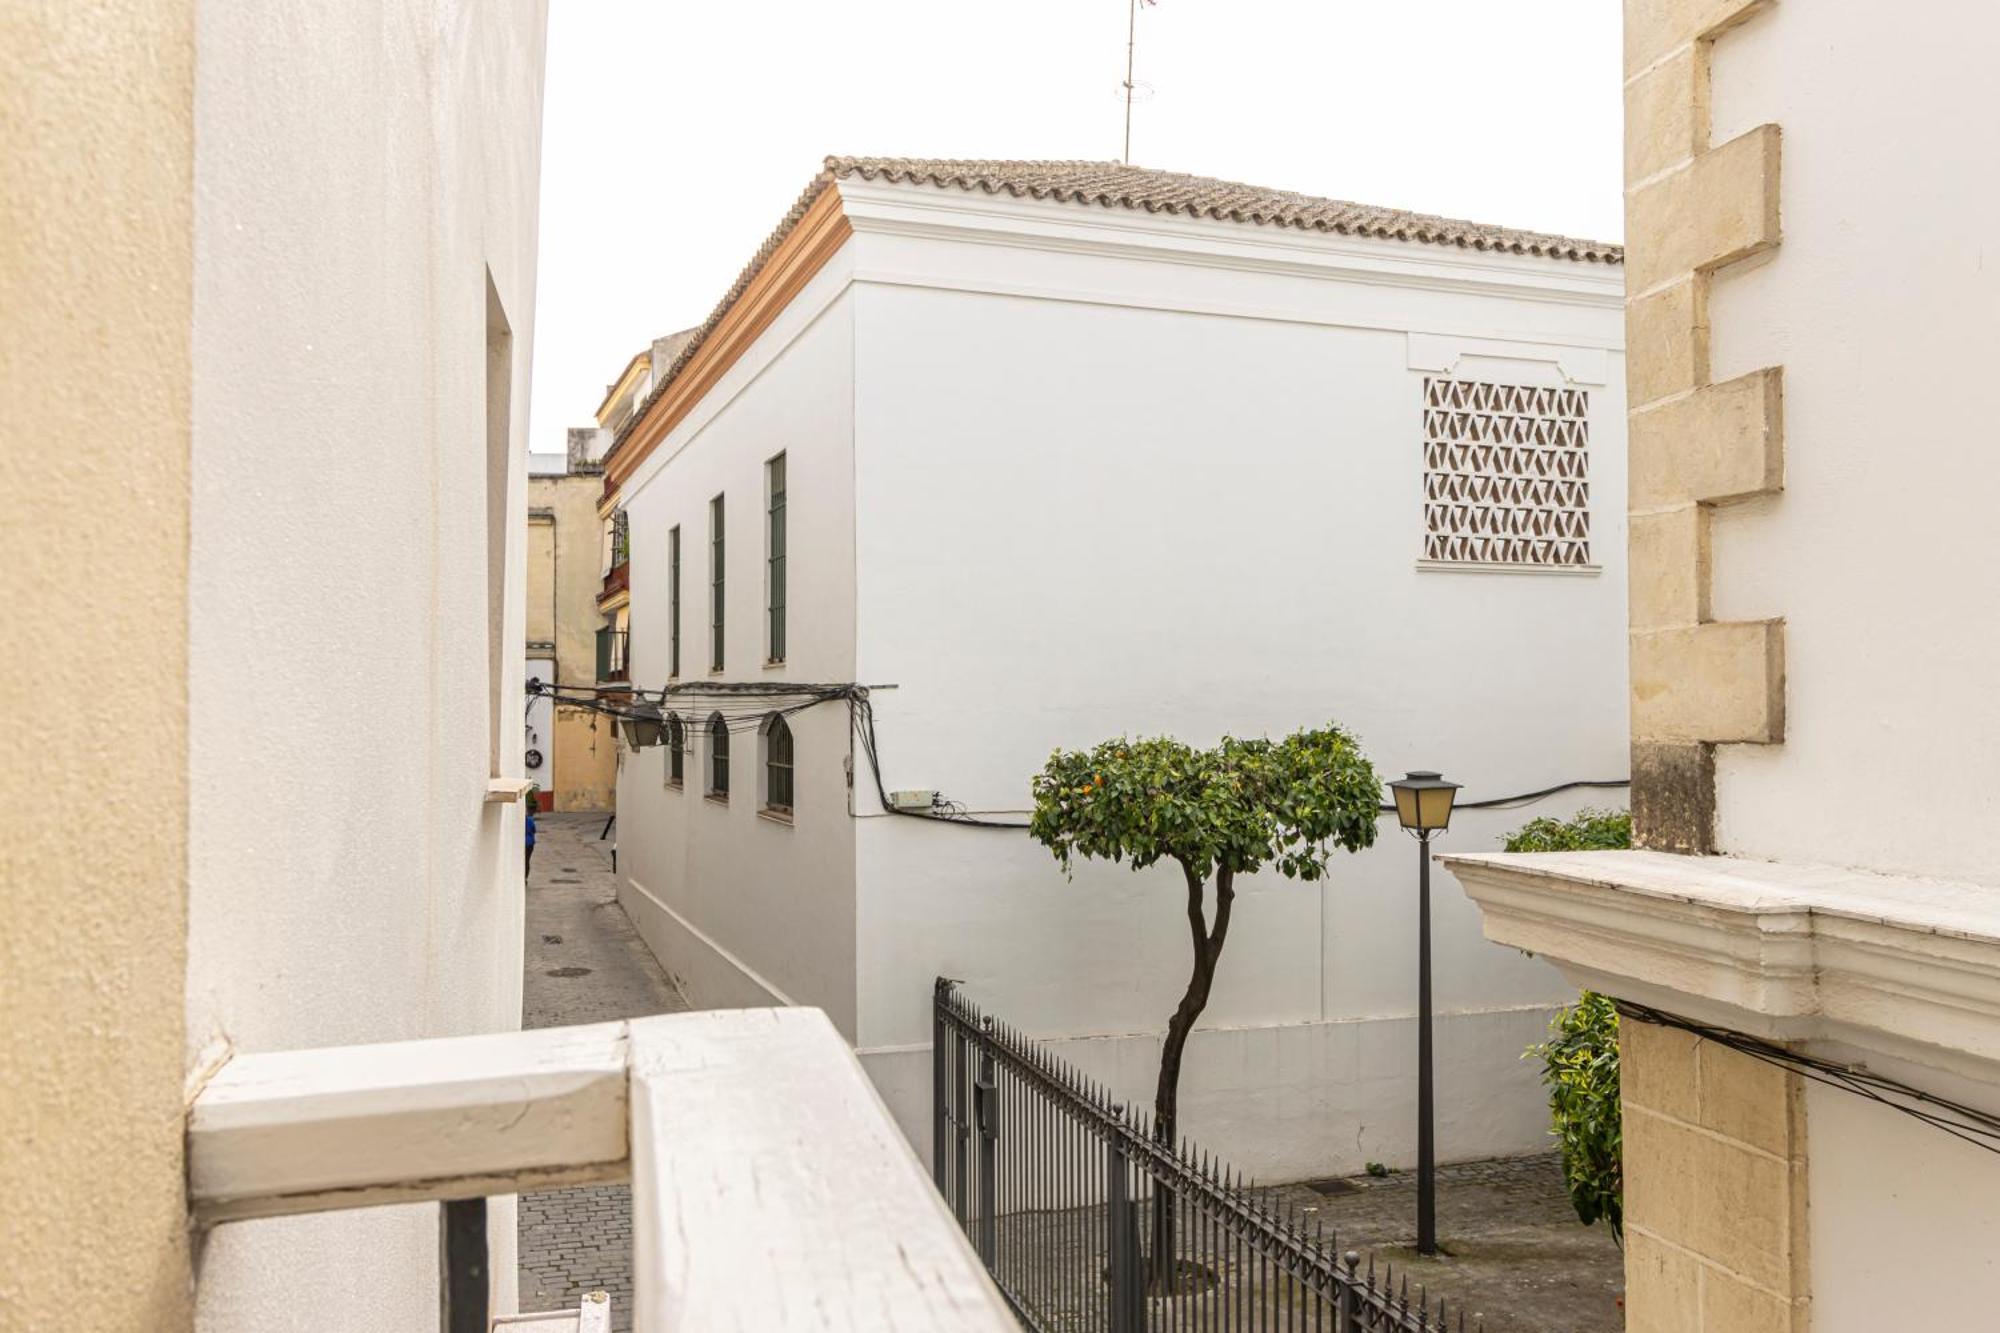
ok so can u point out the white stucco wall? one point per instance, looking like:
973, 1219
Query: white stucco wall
1138, 475
739, 908
1901, 1217
1190, 503
1878, 304
359, 172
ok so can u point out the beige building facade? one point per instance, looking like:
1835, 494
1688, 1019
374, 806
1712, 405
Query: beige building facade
1806, 944
579, 758
268, 285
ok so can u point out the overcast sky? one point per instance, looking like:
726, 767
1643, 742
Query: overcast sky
677, 132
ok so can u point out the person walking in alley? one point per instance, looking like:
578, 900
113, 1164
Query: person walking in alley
528, 853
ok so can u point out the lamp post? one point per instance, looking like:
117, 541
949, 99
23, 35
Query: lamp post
1423, 807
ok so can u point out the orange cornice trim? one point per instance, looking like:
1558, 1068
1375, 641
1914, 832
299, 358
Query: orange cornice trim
820, 232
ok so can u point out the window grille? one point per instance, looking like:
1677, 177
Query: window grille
775, 555
674, 600
718, 756
777, 765
715, 569
1506, 474
676, 750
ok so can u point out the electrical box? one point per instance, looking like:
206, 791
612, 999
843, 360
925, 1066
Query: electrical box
913, 800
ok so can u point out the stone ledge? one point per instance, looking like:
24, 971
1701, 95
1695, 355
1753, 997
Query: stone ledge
1907, 966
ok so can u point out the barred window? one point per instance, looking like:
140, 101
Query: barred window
716, 565
676, 750
674, 600
774, 556
1506, 474
718, 757
777, 765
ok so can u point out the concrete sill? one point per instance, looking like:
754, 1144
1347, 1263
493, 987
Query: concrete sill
713, 799
776, 816
1504, 567
1788, 951
507, 791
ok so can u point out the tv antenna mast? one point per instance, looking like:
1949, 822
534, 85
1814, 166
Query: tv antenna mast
1131, 43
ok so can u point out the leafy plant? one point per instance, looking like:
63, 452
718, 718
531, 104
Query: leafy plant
1580, 1058
1237, 808
1580, 1070
1586, 831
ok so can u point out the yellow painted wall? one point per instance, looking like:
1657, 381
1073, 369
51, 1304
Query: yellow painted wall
96, 260
585, 762
541, 580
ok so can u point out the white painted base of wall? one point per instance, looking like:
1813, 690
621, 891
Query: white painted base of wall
709, 975
1281, 1101
1302, 1100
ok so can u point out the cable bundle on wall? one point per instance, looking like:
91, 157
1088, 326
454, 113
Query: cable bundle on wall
746, 705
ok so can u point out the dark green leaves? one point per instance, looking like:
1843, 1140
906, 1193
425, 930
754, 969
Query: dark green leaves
1580, 1070
1580, 1058
1240, 806
1587, 831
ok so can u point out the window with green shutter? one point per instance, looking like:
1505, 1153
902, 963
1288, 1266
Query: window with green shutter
774, 529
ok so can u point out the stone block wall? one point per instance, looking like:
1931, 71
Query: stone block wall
1692, 208
1715, 1187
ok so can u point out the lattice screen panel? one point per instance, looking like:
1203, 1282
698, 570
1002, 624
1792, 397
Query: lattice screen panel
1506, 473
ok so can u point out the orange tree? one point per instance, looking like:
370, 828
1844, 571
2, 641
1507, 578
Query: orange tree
1240, 807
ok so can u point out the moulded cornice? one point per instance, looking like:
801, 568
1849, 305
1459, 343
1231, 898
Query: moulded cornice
904, 210
1907, 966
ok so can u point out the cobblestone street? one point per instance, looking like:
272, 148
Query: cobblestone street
585, 964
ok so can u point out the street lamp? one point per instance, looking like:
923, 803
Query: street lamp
1423, 807
643, 725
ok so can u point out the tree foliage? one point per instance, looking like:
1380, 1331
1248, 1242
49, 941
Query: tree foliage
1238, 807
1235, 809
1580, 1058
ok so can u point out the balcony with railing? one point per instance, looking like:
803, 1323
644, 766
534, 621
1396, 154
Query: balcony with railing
618, 559
771, 1189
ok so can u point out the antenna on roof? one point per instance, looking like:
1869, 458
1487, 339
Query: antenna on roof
1131, 42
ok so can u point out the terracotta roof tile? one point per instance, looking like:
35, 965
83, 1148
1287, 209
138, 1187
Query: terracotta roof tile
1115, 185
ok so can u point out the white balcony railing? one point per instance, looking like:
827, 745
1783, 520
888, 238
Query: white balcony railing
771, 1190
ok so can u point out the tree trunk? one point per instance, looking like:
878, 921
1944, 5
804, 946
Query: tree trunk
1207, 943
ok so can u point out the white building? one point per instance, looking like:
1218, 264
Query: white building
1068, 450
1812, 679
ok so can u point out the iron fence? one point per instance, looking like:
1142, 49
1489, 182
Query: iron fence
1090, 1224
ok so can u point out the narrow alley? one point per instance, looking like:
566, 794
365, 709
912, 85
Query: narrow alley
585, 964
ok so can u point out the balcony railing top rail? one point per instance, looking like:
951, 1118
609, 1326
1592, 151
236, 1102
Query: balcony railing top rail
771, 1189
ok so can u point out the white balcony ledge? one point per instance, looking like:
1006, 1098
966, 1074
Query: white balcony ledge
771, 1189
1907, 966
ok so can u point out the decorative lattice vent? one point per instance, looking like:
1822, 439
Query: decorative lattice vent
1506, 474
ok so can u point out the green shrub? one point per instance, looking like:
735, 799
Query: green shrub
1580, 1058
1580, 1070
1588, 831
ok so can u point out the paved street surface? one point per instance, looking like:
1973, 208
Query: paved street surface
586, 964
1515, 1257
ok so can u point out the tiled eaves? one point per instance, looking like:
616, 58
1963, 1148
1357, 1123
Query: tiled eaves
1116, 185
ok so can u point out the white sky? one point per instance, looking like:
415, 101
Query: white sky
677, 132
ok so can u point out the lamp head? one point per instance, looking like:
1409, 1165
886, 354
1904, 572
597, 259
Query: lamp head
643, 725
1423, 801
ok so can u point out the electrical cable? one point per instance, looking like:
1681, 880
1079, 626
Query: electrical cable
752, 703
1979, 1128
